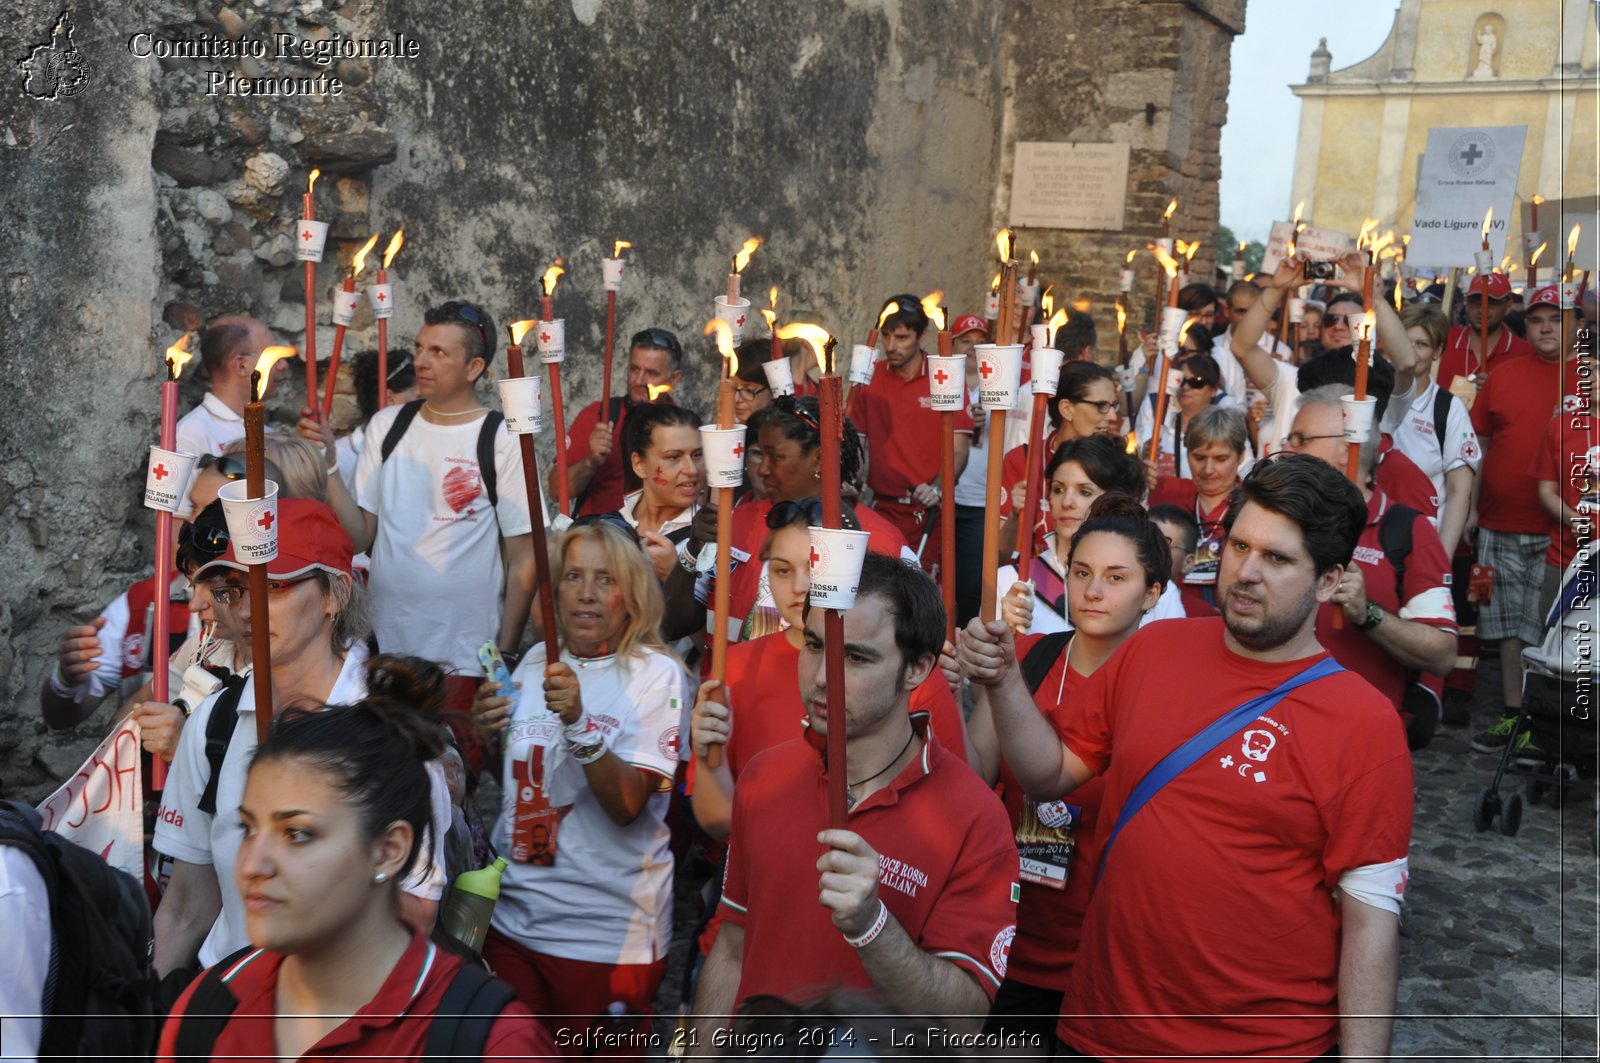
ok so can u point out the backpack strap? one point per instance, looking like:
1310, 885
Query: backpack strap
1441, 416
210, 1008
1224, 727
486, 470
468, 1011
1041, 655
1394, 536
219, 733
397, 430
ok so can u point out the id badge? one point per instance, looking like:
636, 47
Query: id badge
535, 823
1464, 388
1046, 839
1480, 583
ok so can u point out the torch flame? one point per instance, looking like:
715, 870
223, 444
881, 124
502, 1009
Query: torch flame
724, 339
1129, 260
891, 308
557, 268
1167, 215
519, 329
1188, 256
1047, 302
815, 336
1033, 256
616, 248
1369, 321
1538, 200
178, 355
1298, 209
771, 317
1133, 442
742, 259
270, 357
657, 390
1242, 246
1003, 242
1057, 319
994, 285
1168, 263
396, 242
1572, 240
311, 181
1368, 227
1533, 259
772, 297
931, 304
1122, 319
1184, 330
360, 261
1383, 243
1487, 216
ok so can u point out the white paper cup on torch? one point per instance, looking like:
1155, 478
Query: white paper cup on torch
1484, 260
1127, 378
381, 296
999, 375
947, 382
1127, 280
1297, 310
1046, 370
991, 306
252, 522
1172, 319
1028, 292
724, 454
1041, 336
519, 401
611, 271
1568, 295
1359, 415
166, 480
735, 314
309, 239
551, 341
1174, 382
863, 360
780, 377
836, 559
1165, 243
344, 307
1531, 242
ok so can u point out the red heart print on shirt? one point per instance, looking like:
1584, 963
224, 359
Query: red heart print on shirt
461, 487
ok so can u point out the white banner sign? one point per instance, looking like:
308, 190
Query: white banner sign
1069, 186
1464, 172
102, 807
1317, 245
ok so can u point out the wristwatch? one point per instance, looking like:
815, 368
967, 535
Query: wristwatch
1374, 617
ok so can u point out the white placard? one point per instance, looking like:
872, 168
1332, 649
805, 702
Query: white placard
1464, 172
1317, 245
1069, 186
102, 806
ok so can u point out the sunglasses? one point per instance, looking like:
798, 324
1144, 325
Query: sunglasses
1195, 383
403, 362
207, 541
660, 339
471, 315
593, 520
234, 467
783, 514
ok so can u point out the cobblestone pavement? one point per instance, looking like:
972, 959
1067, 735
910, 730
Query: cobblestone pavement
1499, 943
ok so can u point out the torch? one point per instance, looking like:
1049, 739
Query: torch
1533, 239
997, 394
313, 237
991, 304
731, 306
1046, 374
255, 465
1172, 322
948, 371
552, 352
1355, 431
382, 296
780, 376
519, 398
1485, 264
1029, 288
863, 359
728, 444
612, 268
345, 301
166, 490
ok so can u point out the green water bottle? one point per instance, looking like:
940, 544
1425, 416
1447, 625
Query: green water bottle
471, 904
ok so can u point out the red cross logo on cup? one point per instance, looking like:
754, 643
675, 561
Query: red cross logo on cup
266, 520
306, 236
382, 297
738, 450
739, 320
544, 337
985, 370
941, 376
816, 559
160, 472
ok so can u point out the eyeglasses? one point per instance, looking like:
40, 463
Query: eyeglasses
1296, 440
231, 594
747, 393
615, 520
794, 408
1102, 408
783, 514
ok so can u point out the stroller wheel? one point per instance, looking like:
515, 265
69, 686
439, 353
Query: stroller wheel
1485, 808
1511, 818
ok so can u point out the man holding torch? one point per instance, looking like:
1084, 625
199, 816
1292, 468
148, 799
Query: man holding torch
594, 464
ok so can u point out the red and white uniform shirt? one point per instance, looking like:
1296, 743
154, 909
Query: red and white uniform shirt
898, 419
1460, 357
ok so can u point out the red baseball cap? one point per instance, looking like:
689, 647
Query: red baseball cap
309, 538
969, 323
1496, 285
1549, 295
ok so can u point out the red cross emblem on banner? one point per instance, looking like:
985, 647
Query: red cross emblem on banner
985, 370
306, 235
266, 520
941, 376
160, 472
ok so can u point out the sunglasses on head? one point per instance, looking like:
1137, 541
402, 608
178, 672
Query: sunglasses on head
207, 541
591, 520
783, 514
660, 339
403, 363
471, 315
234, 467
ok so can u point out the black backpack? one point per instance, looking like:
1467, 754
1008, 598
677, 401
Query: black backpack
1041, 655
100, 993
1394, 536
486, 433
460, 1028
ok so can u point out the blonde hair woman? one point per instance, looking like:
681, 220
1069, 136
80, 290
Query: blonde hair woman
591, 746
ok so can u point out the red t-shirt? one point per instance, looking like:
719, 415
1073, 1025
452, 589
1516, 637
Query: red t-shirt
903, 431
393, 1025
947, 864
1458, 359
1206, 560
1050, 918
1014, 470
605, 491
1427, 600
1513, 407
764, 686
1403, 479
1213, 930
1568, 456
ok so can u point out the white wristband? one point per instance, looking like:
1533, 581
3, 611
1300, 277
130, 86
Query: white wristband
586, 755
871, 935
583, 732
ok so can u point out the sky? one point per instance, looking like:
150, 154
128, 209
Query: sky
1274, 52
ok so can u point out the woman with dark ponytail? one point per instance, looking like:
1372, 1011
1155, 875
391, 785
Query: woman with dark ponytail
334, 813
1117, 564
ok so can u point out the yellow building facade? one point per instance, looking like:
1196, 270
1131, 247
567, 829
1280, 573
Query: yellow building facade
1450, 63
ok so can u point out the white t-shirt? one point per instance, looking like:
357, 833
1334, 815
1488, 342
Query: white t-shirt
1282, 396
347, 452
25, 913
437, 579
969, 485
1411, 425
209, 427
185, 833
607, 898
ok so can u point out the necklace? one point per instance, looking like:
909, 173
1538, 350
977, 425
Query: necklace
459, 413
850, 797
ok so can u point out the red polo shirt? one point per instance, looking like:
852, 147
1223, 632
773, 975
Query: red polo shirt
1514, 405
1564, 458
764, 686
948, 869
1459, 359
605, 491
1403, 479
1426, 600
393, 1025
897, 417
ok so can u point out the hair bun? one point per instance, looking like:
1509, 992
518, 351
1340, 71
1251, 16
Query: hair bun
1115, 504
407, 682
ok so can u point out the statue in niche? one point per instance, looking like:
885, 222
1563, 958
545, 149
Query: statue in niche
1488, 44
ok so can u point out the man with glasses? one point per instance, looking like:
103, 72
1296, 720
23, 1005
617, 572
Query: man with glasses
594, 462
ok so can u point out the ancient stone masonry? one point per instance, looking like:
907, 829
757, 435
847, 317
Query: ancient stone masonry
868, 141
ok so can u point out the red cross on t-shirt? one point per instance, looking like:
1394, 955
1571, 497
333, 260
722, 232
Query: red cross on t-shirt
266, 520
160, 472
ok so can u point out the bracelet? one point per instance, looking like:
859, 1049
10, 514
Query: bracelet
871, 935
686, 558
586, 755
59, 687
583, 731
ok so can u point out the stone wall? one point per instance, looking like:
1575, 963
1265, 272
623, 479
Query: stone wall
867, 140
